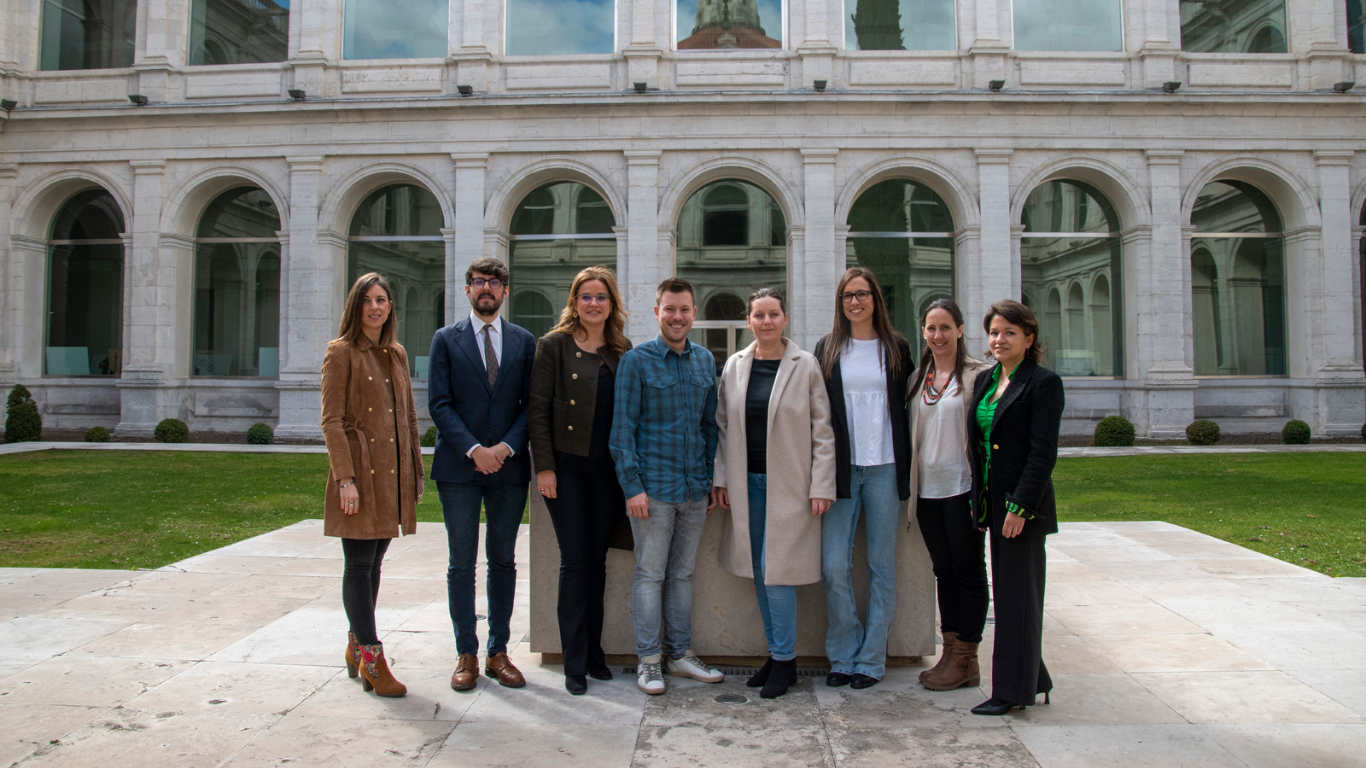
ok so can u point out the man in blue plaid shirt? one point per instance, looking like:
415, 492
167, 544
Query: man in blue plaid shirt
664, 443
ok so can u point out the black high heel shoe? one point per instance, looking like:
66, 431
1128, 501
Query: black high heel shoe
575, 684
995, 707
600, 673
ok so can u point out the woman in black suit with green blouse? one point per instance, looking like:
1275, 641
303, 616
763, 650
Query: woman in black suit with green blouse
1013, 432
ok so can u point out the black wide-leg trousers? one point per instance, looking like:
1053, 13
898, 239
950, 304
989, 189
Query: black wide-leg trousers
1018, 569
584, 512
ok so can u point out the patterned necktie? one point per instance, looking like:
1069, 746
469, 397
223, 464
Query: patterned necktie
490, 359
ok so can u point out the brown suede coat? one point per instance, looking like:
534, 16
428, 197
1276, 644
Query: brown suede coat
370, 428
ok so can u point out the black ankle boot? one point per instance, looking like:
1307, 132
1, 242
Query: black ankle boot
780, 677
758, 679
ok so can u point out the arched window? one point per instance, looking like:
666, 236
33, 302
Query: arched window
1233, 27
1237, 282
903, 231
1070, 252
397, 233
557, 230
86, 34
237, 287
238, 31
731, 240
1068, 25
84, 332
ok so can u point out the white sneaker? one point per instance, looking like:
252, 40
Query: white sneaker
688, 665
650, 680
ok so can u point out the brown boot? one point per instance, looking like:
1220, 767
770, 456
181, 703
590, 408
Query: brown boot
938, 668
962, 669
374, 672
352, 661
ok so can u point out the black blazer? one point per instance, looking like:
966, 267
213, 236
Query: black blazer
1024, 447
468, 413
896, 402
564, 396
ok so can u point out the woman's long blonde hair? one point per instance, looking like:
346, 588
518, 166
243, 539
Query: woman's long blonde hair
351, 329
614, 331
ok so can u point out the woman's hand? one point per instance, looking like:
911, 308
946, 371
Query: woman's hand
1013, 526
818, 506
545, 483
421, 487
719, 496
350, 497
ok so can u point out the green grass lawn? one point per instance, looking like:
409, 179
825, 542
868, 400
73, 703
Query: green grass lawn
135, 509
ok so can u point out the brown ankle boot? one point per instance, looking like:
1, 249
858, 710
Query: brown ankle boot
962, 669
938, 668
374, 672
352, 661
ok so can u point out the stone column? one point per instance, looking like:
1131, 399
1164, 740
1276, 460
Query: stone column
815, 277
1158, 52
9, 339
149, 298
473, 60
1166, 346
996, 273
645, 49
27, 259
817, 51
470, 172
307, 286
1320, 37
1335, 361
988, 50
160, 48
312, 42
648, 257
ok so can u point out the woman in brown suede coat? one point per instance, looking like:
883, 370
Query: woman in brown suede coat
370, 427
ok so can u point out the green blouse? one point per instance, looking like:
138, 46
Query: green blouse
986, 414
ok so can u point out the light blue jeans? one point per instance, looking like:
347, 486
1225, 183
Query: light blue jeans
666, 548
777, 604
853, 647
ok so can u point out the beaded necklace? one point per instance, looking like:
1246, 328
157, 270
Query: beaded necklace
928, 394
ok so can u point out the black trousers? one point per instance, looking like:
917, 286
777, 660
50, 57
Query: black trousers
360, 585
958, 554
584, 512
1018, 567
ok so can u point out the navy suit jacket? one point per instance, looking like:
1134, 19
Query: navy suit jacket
468, 413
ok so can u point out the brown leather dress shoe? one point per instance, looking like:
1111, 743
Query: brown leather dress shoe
466, 673
500, 666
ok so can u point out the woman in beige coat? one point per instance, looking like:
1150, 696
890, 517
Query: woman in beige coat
941, 489
369, 424
775, 442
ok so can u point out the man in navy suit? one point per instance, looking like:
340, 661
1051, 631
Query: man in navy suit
479, 385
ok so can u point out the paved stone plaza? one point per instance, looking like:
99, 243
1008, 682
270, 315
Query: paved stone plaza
1168, 648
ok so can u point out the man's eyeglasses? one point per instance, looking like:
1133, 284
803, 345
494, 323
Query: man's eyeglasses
492, 282
588, 298
849, 296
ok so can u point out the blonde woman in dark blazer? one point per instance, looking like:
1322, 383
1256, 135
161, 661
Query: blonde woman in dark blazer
569, 421
776, 451
941, 492
369, 424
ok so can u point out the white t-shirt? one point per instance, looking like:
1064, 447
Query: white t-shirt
941, 438
865, 404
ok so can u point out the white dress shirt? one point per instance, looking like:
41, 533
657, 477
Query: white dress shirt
477, 325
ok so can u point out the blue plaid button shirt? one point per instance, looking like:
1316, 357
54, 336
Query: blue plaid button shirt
664, 423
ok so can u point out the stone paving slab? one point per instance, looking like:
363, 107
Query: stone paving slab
1168, 648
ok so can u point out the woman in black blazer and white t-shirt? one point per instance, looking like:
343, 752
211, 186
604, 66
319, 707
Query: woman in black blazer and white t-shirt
1013, 432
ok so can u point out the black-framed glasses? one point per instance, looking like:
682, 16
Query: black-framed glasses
849, 296
491, 282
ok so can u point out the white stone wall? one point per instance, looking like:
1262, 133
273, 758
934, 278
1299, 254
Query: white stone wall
1270, 120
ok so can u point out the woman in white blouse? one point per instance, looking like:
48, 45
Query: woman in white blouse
941, 481
866, 364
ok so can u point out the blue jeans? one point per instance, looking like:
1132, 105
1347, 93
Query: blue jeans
666, 549
853, 647
503, 506
777, 604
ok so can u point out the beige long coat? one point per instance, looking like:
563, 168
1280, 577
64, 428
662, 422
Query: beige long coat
801, 466
971, 367
369, 424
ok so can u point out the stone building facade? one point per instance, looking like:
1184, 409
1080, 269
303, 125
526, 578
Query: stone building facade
1186, 219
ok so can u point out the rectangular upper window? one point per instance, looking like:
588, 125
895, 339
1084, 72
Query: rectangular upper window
560, 27
1356, 26
712, 24
1068, 25
1233, 26
395, 29
899, 25
238, 31
83, 35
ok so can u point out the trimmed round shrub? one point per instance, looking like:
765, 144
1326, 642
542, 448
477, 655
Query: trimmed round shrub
1202, 432
1114, 432
97, 435
429, 438
23, 424
1296, 432
260, 434
172, 431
